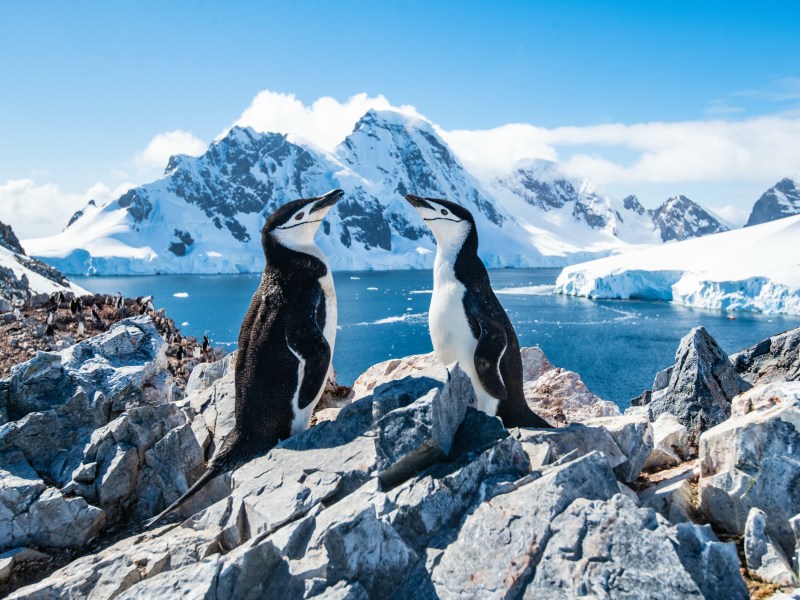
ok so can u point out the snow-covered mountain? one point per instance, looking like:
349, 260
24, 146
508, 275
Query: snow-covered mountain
779, 201
206, 213
681, 219
754, 268
22, 276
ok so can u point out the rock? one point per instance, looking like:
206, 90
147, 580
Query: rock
673, 496
633, 436
633, 554
56, 521
205, 375
572, 442
500, 544
560, 398
211, 392
409, 438
416, 365
32, 513
748, 461
16, 556
534, 363
326, 414
794, 523
764, 397
764, 558
313, 519
713, 566
670, 443
700, 387
94, 421
774, 359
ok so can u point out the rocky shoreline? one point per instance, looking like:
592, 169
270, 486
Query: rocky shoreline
401, 489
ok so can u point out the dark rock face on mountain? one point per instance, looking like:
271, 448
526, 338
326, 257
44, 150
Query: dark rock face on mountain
632, 203
8, 239
779, 201
543, 185
407, 156
206, 213
547, 193
679, 218
14, 286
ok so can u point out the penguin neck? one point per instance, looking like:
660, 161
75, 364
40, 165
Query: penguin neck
307, 260
459, 257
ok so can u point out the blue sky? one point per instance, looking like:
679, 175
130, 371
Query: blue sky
86, 86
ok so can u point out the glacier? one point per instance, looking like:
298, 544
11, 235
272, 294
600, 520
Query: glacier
755, 269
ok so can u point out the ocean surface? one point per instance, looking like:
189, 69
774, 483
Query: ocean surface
616, 346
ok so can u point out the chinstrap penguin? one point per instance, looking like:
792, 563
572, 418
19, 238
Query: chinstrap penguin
467, 323
285, 342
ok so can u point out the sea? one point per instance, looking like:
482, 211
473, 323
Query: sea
616, 346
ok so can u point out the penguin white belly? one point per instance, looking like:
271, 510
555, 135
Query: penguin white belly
302, 416
452, 337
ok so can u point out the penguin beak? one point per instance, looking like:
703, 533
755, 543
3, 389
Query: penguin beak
327, 200
417, 202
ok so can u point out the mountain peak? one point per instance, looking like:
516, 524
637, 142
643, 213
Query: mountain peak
779, 201
680, 218
390, 118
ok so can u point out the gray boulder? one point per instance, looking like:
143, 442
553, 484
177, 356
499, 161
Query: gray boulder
409, 438
500, 544
633, 555
700, 386
670, 443
764, 558
633, 436
774, 359
749, 461
92, 422
312, 518
415, 365
673, 496
560, 397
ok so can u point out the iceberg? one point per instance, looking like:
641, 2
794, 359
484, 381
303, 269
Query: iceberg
756, 269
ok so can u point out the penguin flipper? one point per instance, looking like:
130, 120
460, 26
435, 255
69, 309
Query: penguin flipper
309, 344
492, 344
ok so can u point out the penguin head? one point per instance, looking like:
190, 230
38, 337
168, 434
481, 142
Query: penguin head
295, 223
449, 222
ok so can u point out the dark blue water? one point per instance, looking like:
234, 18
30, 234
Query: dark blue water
616, 346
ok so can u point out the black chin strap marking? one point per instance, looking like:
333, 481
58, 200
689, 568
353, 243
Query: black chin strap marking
444, 219
298, 224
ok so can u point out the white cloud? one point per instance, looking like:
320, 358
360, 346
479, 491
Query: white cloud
733, 214
157, 152
39, 209
758, 150
326, 122
35, 210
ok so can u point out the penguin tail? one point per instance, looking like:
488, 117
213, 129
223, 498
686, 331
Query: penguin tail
217, 467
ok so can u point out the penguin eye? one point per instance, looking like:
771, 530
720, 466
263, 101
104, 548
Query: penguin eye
298, 216
444, 211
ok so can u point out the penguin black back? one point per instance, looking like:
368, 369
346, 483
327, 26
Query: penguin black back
497, 359
284, 355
